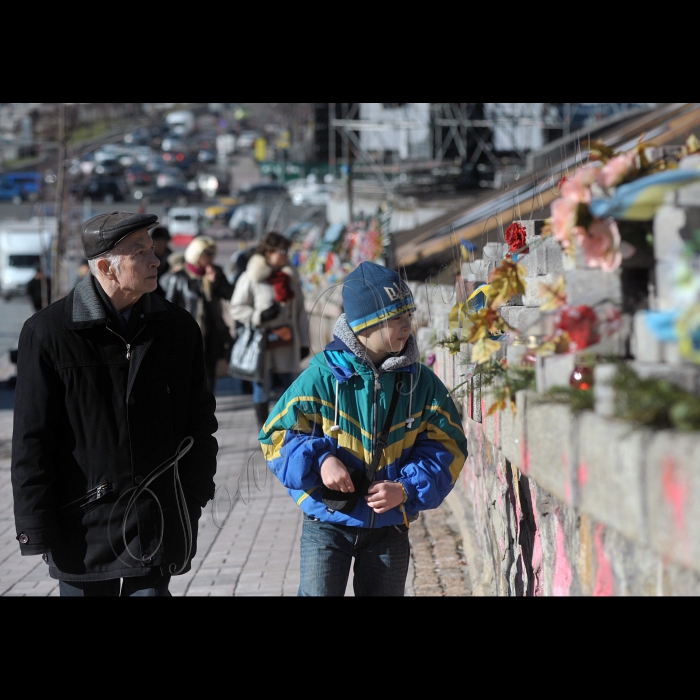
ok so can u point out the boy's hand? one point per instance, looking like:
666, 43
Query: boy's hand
384, 495
335, 476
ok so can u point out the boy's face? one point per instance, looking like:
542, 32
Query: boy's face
389, 336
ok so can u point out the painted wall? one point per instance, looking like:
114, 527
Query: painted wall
550, 503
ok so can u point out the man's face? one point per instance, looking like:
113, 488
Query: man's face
137, 273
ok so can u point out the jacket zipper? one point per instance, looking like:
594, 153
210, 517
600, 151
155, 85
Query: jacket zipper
128, 345
377, 386
91, 496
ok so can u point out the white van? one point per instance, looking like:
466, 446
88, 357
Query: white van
22, 246
183, 224
181, 122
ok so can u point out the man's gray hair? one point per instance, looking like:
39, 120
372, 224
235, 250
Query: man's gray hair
111, 257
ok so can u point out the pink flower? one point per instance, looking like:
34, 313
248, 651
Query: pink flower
578, 187
600, 244
563, 219
615, 170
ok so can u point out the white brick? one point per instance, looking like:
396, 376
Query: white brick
644, 345
533, 294
554, 370
689, 196
523, 318
610, 474
592, 286
668, 221
603, 393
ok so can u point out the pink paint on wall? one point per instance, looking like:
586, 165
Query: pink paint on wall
524, 457
499, 473
604, 585
675, 493
582, 473
561, 581
536, 548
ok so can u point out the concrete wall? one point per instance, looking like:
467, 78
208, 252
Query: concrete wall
554, 503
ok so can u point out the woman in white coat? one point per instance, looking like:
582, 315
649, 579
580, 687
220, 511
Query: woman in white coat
269, 295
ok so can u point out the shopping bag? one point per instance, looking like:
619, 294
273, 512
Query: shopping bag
248, 354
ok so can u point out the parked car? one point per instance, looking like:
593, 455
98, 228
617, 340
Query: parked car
246, 140
28, 184
184, 223
174, 194
308, 191
139, 175
110, 167
10, 192
265, 189
105, 189
247, 220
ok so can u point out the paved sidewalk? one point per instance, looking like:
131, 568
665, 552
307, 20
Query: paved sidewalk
248, 542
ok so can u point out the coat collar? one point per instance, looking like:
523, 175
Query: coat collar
258, 269
84, 307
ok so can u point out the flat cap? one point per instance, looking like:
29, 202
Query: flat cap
103, 232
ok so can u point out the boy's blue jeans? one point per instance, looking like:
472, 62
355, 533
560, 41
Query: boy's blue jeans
381, 559
261, 390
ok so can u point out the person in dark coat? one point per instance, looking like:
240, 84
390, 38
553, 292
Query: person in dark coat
113, 447
200, 287
161, 239
39, 290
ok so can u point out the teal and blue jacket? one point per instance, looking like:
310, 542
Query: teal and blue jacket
338, 406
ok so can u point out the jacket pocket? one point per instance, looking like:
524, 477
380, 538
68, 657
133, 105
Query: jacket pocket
104, 493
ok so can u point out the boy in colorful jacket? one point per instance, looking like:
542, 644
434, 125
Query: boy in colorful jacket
320, 438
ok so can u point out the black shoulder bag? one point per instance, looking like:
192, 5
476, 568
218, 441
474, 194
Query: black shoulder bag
345, 502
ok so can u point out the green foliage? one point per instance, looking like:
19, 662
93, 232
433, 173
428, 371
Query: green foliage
504, 381
452, 343
654, 402
577, 400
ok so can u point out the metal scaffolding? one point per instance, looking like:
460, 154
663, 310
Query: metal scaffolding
488, 138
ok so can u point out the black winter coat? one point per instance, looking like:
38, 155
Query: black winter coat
93, 418
188, 292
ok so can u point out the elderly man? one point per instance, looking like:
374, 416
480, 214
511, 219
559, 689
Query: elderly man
113, 447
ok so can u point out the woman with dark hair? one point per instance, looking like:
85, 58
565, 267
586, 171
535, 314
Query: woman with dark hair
269, 295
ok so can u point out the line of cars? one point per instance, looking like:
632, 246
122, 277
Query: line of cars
162, 163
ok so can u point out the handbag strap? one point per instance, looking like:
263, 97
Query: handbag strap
383, 437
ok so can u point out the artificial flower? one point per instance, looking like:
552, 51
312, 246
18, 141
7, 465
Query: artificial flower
600, 244
563, 220
617, 169
578, 187
554, 295
506, 281
485, 322
515, 237
580, 323
484, 349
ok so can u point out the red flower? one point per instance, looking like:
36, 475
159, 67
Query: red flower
515, 237
581, 325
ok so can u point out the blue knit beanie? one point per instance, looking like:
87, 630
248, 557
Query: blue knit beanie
372, 294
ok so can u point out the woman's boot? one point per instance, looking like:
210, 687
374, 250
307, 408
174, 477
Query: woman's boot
261, 412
